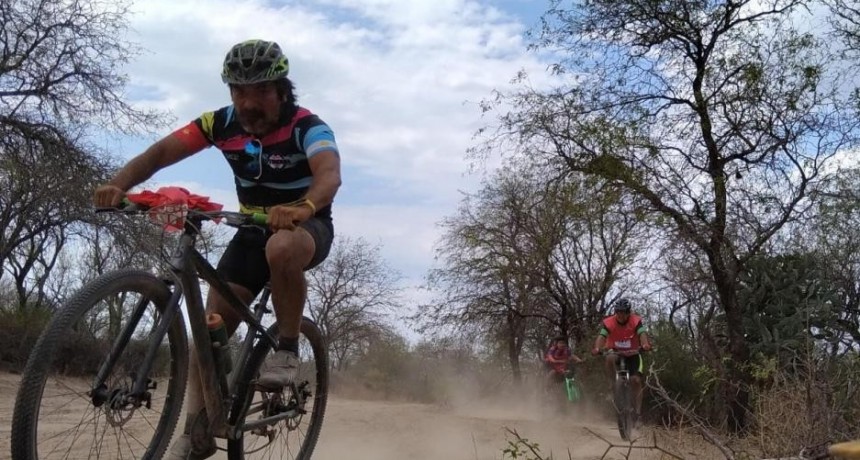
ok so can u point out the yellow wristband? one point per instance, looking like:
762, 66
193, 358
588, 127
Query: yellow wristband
310, 204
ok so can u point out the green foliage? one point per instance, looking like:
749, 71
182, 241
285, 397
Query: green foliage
788, 301
764, 368
682, 371
521, 448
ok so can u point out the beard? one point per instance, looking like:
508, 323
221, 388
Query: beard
256, 122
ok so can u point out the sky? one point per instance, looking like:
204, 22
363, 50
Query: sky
399, 82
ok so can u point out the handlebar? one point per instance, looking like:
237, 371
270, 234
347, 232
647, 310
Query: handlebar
613, 351
231, 218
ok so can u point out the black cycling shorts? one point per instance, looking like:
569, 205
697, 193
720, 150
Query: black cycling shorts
633, 363
244, 262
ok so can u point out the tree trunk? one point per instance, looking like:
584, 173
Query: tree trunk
564, 320
735, 387
513, 348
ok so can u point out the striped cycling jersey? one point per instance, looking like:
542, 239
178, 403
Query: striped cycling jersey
280, 173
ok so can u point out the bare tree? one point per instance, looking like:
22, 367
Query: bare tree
349, 295
524, 261
833, 235
488, 280
60, 75
44, 192
61, 64
721, 116
596, 237
846, 21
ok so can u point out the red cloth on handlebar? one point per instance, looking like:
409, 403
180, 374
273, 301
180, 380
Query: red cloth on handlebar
169, 205
173, 195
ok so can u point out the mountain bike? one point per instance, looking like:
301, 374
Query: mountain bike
622, 396
122, 397
562, 390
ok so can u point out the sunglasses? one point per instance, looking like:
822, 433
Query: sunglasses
254, 148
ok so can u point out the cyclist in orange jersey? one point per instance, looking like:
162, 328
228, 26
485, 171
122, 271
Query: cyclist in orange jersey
624, 333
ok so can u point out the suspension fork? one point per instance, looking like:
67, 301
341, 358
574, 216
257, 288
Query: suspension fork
622, 377
141, 382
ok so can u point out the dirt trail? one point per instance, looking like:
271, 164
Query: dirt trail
375, 430
364, 430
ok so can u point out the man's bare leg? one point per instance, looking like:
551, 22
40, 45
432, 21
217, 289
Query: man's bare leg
288, 253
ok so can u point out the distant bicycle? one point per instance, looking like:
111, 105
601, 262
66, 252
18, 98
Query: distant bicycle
564, 391
123, 397
571, 387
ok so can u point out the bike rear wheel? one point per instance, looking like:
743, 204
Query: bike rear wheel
60, 415
302, 404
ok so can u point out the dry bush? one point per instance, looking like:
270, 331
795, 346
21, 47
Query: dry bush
19, 331
800, 411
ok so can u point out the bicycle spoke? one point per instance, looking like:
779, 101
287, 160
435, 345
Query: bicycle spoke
58, 410
293, 437
99, 444
75, 432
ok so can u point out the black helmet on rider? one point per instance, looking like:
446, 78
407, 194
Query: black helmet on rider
623, 305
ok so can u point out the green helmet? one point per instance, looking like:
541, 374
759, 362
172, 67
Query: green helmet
254, 61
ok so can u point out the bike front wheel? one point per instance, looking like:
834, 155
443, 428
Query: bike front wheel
282, 424
574, 393
59, 411
624, 409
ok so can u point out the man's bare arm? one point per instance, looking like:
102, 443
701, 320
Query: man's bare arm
161, 154
325, 167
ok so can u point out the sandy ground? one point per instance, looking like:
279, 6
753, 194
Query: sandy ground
377, 430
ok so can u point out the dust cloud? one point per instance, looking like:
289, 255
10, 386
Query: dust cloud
464, 427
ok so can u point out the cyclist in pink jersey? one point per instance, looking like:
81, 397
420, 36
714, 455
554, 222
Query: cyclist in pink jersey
558, 358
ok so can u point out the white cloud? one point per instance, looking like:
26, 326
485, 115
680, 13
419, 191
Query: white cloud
398, 81
406, 234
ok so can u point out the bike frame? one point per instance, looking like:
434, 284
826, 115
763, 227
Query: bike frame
569, 383
186, 265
